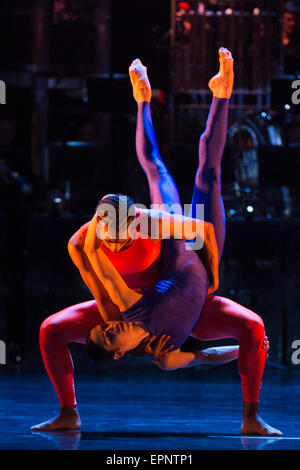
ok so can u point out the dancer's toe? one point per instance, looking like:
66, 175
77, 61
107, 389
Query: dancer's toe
221, 84
140, 81
68, 419
256, 426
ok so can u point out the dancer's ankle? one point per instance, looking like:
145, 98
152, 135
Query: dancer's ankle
69, 409
250, 409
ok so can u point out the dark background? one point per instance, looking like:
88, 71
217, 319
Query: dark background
68, 131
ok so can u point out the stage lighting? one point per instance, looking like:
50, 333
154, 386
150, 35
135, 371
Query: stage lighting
250, 209
201, 8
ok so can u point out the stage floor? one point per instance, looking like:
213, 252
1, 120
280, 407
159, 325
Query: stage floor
144, 410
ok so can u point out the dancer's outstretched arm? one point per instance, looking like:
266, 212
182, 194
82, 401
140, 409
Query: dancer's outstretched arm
216, 355
108, 310
178, 359
160, 224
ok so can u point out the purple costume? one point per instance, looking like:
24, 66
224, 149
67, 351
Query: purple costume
174, 304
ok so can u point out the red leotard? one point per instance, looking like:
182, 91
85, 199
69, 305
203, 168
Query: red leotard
137, 264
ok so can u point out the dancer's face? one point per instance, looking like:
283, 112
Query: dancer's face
118, 336
121, 240
117, 245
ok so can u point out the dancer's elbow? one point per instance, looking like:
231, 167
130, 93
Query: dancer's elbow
74, 248
77, 256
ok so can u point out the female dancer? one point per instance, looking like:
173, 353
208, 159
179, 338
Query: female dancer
74, 323
169, 307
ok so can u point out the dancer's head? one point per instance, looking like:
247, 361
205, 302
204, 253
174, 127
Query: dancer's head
115, 212
113, 339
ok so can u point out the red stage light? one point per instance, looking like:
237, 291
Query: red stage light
184, 5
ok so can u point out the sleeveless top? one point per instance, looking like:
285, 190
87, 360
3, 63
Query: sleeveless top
138, 264
173, 305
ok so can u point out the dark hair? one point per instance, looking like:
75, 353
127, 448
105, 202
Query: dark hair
116, 200
120, 205
96, 352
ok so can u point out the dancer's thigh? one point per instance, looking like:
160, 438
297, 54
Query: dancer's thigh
223, 318
73, 324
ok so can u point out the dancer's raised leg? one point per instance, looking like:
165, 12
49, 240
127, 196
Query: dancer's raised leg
223, 318
162, 187
207, 188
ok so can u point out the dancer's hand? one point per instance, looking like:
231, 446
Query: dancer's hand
266, 346
140, 82
147, 344
159, 351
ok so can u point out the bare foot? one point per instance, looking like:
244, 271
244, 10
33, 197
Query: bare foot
68, 419
256, 426
221, 84
140, 81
